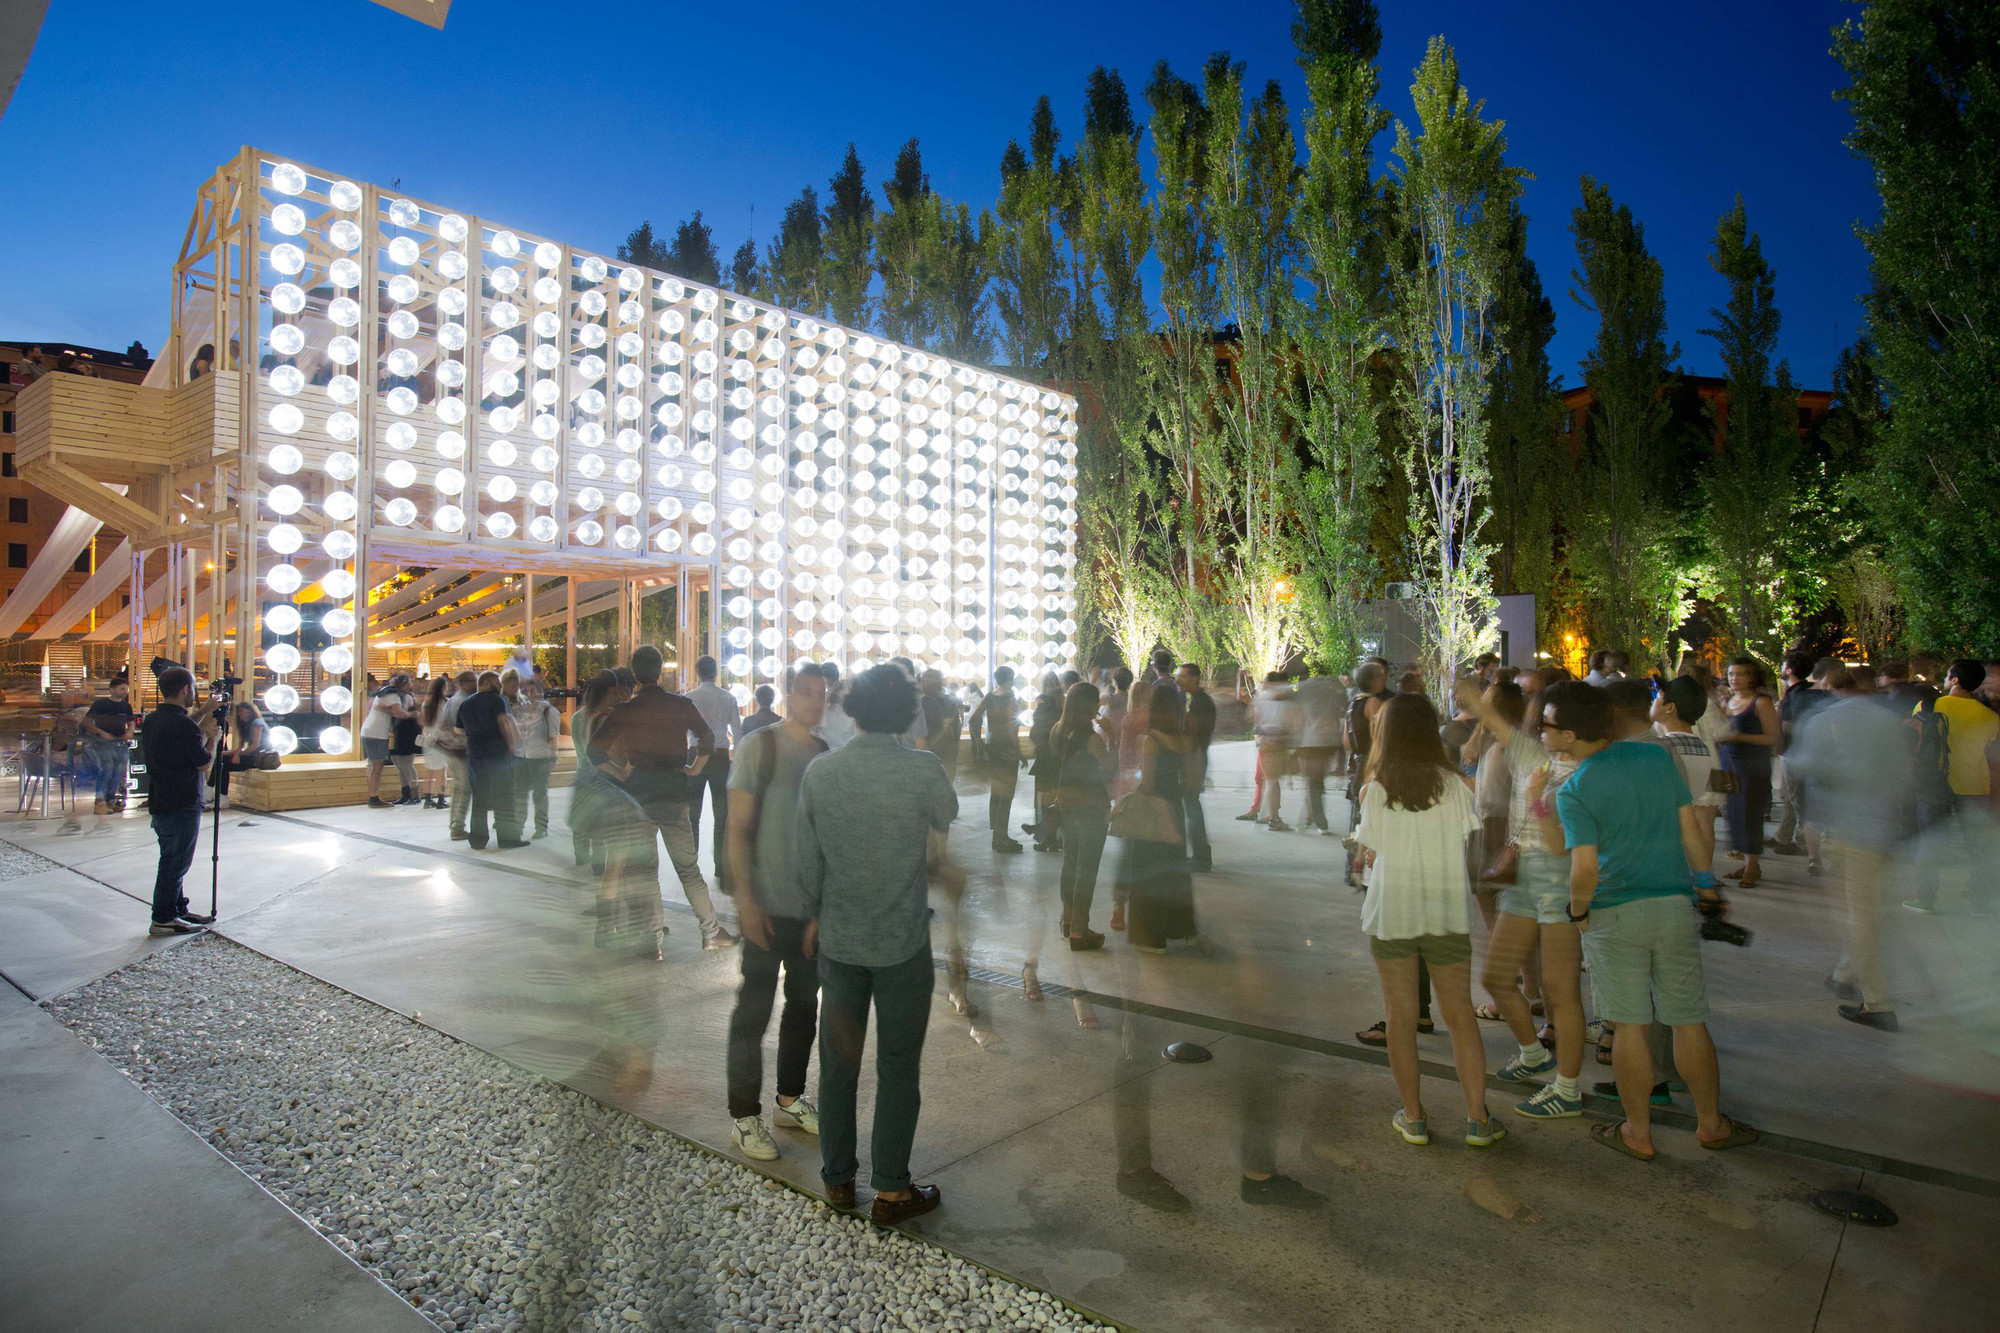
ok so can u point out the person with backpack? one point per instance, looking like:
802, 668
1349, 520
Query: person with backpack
773, 915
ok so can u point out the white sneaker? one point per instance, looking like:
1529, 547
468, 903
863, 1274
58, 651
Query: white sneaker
801, 1115
753, 1140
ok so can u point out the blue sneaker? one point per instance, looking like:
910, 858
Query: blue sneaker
1413, 1131
1518, 1070
1548, 1104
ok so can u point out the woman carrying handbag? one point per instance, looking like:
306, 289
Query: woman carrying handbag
1153, 866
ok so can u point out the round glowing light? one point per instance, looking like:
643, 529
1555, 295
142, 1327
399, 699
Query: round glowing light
343, 351
285, 499
336, 740
339, 544
501, 489
500, 525
544, 459
284, 538
283, 579
283, 739
282, 620
338, 658
547, 291
287, 339
402, 362
282, 658
451, 267
400, 472
450, 481
449, 518
342, 466
453, 228
548, 254
287, 179
339, 584
506, 244
546, 426
336, 699
592, 305
287, 419
402, 324
342, 310
281, 698
543, 528
501, 453
543, 493
288, 298
627, 537
669, 539
402, 288
451, 411
339, 623
590, 532
504, 315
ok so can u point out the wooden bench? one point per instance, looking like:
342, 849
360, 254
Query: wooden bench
304, 786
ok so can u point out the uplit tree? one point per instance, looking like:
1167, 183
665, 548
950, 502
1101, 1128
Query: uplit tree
1455, 194
793, 263
1033, 294
1528, 465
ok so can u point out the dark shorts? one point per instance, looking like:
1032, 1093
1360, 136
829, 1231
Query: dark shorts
375, 750
1436, 950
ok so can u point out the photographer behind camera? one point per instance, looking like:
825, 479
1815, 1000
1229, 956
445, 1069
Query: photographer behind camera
177, 754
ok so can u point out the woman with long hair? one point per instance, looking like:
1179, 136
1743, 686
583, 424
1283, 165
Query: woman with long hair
1747, 753
1046, 767
436, 768
600, 696
247, 735
1160, 893
1083, 795
1416, 813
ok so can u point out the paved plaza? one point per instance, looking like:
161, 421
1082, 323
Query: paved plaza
1030, 1107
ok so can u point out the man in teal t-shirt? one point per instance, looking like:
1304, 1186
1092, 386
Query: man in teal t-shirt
1629, 822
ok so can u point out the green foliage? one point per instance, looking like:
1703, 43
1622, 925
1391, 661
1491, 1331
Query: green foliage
1925, 95
641, 247
745, 273
904, 240
849, 232
1621, 547
1527, 465
1034, 295
1752, 484
692, 255
793, 262
1454, 198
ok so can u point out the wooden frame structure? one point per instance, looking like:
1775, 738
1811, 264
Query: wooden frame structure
360, 385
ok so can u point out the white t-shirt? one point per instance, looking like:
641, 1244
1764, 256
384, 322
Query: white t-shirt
1418, 884
379, 724
835, 727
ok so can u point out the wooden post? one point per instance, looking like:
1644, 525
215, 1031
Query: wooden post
528, 614
569, 640
625, 626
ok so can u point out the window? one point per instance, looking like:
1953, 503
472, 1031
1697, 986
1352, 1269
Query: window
124, 600
6, 423
17, 509
82, 565
7, 465
17, 555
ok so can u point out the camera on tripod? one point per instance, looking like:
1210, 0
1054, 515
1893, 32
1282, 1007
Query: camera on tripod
220, 690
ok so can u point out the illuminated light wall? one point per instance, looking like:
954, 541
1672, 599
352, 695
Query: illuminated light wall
436, 389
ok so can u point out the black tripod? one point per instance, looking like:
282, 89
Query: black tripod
218, 787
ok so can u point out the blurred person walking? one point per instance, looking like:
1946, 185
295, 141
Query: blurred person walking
1199, 724
1416, 813
1321, 704
718, 708
434, 770
537, 731
1753, 739
1628, 819
836, 728
865, 850
1846, 753
774, 916
1083, 794
451, 742
590, 787
1154, 870
996, 749
939, 714
1277, 733
644, 746
764, 715
1961, 731
1045, 766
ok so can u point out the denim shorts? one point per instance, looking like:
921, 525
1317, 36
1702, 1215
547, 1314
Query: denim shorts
1645, 962
1540, 891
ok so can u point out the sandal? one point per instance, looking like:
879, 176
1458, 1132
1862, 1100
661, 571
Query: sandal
1606, 1133
1489, 1014
1085, 1016
1740, 1136
1118, 917
1031, 986
1604, 1053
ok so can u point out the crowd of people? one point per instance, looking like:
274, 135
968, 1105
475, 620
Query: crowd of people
1582, 821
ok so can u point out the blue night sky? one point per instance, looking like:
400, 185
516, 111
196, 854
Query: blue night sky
579, 121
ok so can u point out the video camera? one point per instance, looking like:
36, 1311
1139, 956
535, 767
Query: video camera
1715, 926
220, 690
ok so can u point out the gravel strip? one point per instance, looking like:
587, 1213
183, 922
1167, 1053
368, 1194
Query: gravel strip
16, 861
492, 1199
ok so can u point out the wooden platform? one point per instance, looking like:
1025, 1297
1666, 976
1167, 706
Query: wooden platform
300, 786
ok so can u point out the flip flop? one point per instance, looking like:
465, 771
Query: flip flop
1608, 1135
1740, 1136
1489, 1014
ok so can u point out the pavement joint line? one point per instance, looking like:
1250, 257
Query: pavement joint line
1675, 1118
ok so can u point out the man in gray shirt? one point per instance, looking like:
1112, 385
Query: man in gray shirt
867, 816
763, 876
718, 708
451, 741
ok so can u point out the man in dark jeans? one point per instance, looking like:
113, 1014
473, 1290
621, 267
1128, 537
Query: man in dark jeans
718, 708
177, 754
1200, 731
763, 811
872, 815
489, 750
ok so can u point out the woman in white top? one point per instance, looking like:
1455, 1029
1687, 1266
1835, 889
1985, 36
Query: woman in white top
1416, 813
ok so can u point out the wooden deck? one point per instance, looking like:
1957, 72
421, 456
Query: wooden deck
301, 786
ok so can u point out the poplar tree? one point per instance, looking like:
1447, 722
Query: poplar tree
1033, 294
692, 255
1528, 466
906, 241
1751, 484
1336, 323
1455, 194
641, 247
1927, 118
746, 275
1621, 531
793, 262
961, 273
849, 232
